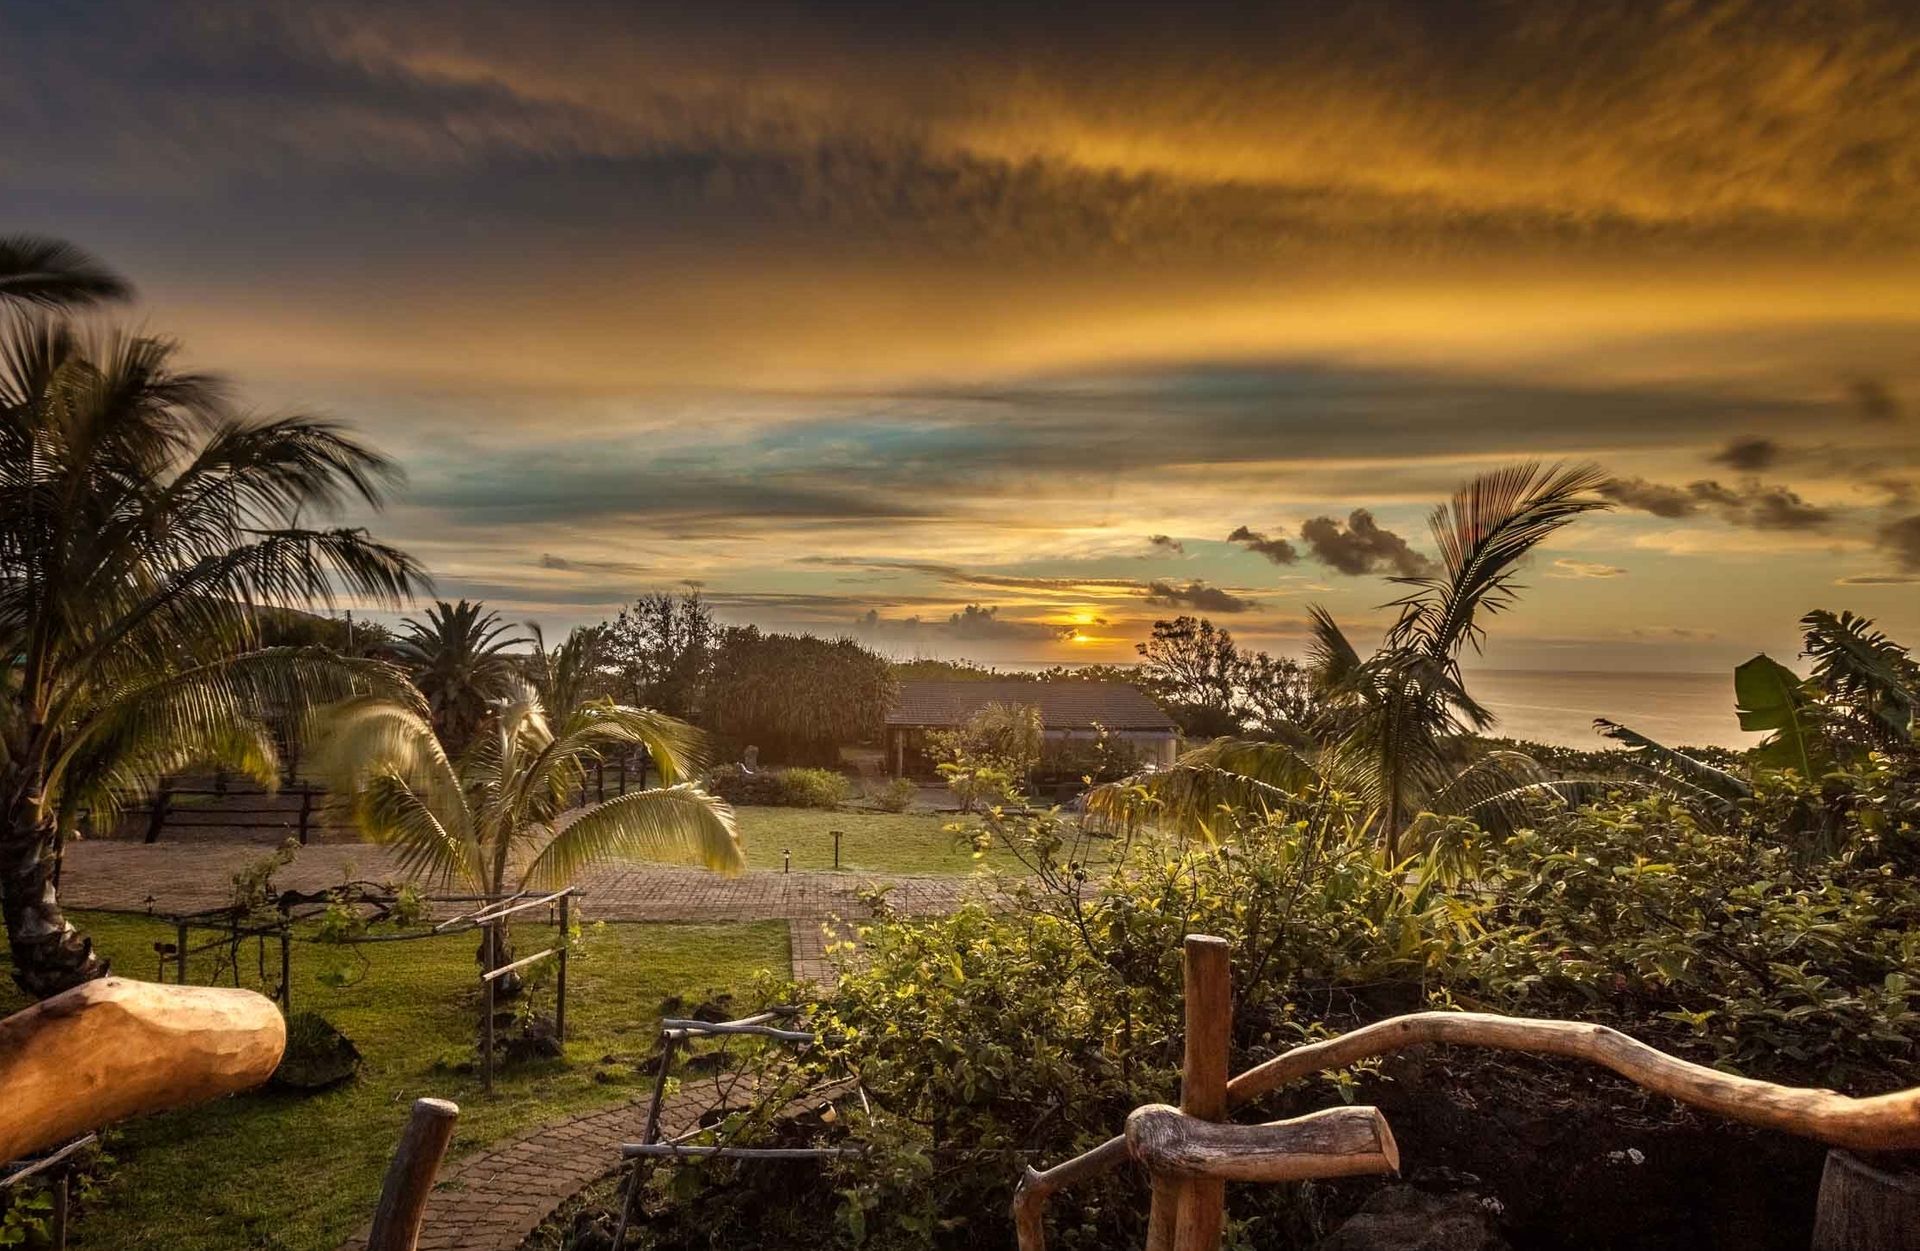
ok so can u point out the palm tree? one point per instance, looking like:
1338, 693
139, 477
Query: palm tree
499, 815
460, 662
571, 673
144, 525
53, 274
1863, 695
1389, 726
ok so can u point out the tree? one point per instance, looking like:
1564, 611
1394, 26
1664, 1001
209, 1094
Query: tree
796, 697
500, 813
663, 647
571, 673
1192, 668
1199, 674
143, 525
54, 275
1387, 726
460, 661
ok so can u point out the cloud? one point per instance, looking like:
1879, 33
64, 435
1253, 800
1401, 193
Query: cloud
1198, 596
1751, 503
1748, 453
1570, 568
1673, 634
1167, 543
1874, 400
973, 624
1902, 539
1277, 550
1652, 497
1878, 579
1362, 547
570, 565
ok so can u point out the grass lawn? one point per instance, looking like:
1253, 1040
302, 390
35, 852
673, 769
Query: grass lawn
874, 842
275, 1171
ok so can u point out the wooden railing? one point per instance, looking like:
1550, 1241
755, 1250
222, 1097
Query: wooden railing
1190, 1157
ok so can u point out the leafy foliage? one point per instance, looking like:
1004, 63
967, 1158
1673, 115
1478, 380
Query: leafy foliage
1390, 727
662, 647
146, 528
460, 658
502, 812
796, 697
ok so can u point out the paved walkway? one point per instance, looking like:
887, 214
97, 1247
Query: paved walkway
492, 1200
183, 877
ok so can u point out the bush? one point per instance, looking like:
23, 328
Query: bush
814, 788
739, 786
897, 795
785, 788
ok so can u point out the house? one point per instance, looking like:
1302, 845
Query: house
1068, 710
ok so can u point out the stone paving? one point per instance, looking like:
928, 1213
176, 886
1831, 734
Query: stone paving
183, 877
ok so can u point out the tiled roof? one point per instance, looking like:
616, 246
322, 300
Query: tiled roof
1063, 705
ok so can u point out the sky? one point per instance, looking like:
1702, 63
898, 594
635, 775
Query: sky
1001, 330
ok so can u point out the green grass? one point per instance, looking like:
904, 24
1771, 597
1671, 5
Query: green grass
268, 1170
874, 842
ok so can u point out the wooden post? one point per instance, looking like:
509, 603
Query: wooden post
180, 952
600, 781
1865, 1208
286, 971
560, 979
486, 1026
306, 812
157, 815
836, 849
623, 774
403, 1196
1188, 1215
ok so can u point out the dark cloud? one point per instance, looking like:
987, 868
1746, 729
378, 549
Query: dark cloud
1277, 550
1362, 547
568, 564
1198, 596
1874, 400
973, 624
1652, 497
1748, 453
1751, 503
1167, 543
1902, 539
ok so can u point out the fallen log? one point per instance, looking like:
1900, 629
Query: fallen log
115, 1048
1337, 1142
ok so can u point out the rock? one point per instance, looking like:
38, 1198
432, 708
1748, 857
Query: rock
318, 1056
1401, 1218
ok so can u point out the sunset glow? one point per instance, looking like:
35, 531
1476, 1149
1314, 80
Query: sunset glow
980, 338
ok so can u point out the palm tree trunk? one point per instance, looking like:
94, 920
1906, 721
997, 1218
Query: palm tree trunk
49, 955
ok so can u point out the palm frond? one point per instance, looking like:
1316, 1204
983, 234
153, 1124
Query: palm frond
431, 843
1871, 676
676, 822
1225, 776
54, 274
1690, 780
1483, 532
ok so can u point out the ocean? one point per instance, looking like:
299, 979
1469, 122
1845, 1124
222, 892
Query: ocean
1552, 706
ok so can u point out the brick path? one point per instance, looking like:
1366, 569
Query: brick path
182, 877
492, 1200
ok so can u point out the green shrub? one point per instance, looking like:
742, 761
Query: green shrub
814, 788
740, 786
896, 795
788, 788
